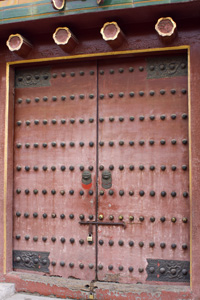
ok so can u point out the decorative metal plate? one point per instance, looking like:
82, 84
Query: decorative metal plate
166, 66
34, 77
106, 179
31, 260
168, 270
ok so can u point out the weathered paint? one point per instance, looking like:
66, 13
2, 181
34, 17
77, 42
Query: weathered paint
77, 289
69, 93
77, 108
130, 82
144, 38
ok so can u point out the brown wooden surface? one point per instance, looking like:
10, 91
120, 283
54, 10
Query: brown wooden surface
105, 83
56, 156
145, 180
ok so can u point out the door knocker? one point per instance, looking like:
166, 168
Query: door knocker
86, 180
106, 179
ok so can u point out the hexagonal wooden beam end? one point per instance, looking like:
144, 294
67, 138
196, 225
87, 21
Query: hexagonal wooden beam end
17, 43
58, 4
166, 29
112, 34
64, 38
100, 2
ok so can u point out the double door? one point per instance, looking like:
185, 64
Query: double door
101, 181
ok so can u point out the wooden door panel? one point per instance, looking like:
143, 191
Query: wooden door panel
140, 185
143, 142
61, 115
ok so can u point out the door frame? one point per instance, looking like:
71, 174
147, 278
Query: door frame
9, 274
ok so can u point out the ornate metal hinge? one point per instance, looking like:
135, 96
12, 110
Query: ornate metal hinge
31, 260
34, 77
166, 66
168, 270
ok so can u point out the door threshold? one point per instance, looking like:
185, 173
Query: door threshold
99, 290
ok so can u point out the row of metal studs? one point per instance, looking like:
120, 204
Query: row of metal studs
101, 242
101, 120
101, 143
101, 96
101, 168
91, 217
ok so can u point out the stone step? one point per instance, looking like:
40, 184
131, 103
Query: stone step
6, 290
25, 296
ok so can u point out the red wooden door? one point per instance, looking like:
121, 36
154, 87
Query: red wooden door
55, 142
125, 122
143, 143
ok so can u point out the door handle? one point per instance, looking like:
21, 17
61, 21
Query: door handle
86, 180
106, 179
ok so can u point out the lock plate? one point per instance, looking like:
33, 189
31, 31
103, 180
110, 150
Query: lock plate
89, 238
90, 230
